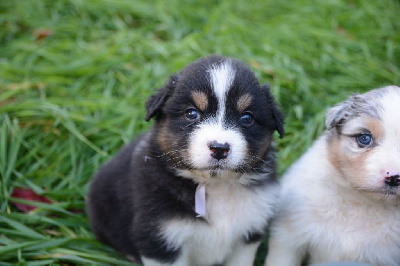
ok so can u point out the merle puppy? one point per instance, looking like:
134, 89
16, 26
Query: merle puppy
199, 188
340, 201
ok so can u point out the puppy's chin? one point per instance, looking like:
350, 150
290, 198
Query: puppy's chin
221, 173
211, 174
390, 196
382, 192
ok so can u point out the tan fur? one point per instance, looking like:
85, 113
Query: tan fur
164, 138
200, 100
266, 147
347, 157
334, 149
244, 102
375, 126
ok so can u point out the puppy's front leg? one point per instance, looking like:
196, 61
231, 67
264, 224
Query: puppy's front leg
182, 260
284, 254
244, 254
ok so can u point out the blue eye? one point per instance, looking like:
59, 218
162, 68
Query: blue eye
247, 119
364, 140
192, 114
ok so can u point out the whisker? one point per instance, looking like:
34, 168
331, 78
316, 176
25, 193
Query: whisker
256, 159
168, 153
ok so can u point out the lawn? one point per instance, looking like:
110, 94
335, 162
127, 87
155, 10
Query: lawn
74, 76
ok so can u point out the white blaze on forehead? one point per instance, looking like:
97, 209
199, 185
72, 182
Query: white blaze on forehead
388, 150
390, 110
386, 153
222, 76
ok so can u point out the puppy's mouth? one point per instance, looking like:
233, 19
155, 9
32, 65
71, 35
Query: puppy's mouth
220, 166
217, 168
211, 172
220, 173
387, 190
390, 191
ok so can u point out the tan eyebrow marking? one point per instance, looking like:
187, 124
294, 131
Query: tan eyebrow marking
200, 100
375, 127
244, 102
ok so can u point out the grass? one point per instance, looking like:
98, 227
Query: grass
74, 76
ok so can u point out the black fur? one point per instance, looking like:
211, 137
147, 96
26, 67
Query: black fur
138, 189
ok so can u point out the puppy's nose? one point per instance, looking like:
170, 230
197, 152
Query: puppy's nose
393, 180
218, 150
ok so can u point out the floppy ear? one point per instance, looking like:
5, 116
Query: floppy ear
155, 103
279, 120
341, 112
334, 115
276, 112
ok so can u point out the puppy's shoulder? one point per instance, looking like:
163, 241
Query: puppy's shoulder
121, 162
310, 169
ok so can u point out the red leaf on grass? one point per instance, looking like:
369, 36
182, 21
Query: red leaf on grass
76, 211
27, 194
41, 34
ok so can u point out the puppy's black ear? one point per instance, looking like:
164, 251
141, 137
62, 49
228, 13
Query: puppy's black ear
156, 101
279, 121
276, 112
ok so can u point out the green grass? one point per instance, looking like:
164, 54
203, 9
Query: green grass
72, 99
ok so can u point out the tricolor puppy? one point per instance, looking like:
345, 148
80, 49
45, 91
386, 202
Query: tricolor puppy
199, 188
341, 200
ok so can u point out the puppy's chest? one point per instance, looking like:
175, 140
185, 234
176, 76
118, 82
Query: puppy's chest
232, 212
354, 228
237, 206
352, 215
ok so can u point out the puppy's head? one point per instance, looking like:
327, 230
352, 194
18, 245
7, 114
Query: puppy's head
214, 120
364, 141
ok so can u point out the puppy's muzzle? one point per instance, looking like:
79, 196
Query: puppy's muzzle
219, 151
393, 180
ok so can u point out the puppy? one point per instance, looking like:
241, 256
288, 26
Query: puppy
340, 200
199, 188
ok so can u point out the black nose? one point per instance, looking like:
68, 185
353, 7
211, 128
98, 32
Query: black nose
393, 180
218, 150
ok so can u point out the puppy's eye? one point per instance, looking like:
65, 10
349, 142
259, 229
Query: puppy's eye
247, 119
364, 139
192, 114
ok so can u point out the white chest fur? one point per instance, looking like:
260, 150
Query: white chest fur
357, 229
232, 211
